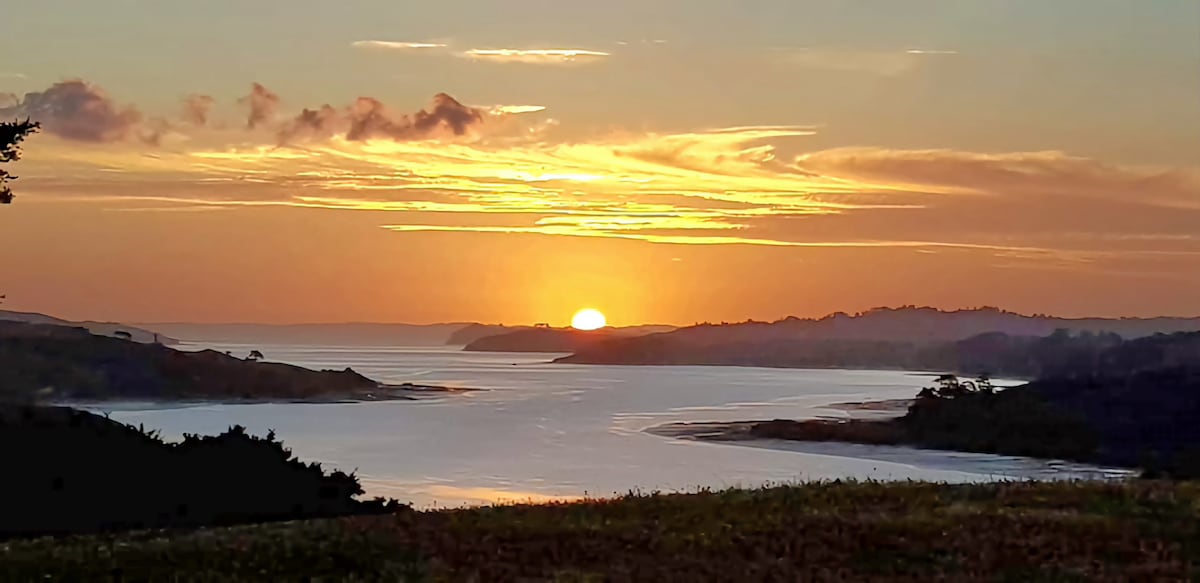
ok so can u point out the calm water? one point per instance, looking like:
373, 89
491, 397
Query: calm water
542, 431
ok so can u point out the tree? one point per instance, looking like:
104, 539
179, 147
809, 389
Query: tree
255, 355
11, 135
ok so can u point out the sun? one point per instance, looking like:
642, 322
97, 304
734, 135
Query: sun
588, 319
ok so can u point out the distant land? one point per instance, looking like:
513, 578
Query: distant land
136, 334
349, 334
882, 337
542, 339
469, 336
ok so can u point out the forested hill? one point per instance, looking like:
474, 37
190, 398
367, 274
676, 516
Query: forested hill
135, 333
49, 362
998, 354
909, 337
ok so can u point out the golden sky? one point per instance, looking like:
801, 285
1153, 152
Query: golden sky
710, 177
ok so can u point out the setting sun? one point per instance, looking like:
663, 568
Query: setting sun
588, 319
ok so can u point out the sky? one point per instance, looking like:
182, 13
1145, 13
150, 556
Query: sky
667, 161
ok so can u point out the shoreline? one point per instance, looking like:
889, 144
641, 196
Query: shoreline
869, 431
1007, 467
385, 393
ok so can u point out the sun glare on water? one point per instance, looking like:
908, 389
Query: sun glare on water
588, 319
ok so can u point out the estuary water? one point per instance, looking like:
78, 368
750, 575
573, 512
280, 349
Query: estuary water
537, 431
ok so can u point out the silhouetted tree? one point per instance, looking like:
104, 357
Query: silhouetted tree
11, 135
255, 355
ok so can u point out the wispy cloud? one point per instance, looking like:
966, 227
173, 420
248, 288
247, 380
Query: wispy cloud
930, 52
516, 109
737, 185
532, 56
395, 45
4, 75
536, 56
715, 187
877, 62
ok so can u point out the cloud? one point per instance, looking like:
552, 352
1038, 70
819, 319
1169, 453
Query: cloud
370, 119
196, 109
13, 76
155, 131
884, 63
566, 56
515, 109
320, 123
720, 186
1019, 173
263, 104
930, 52
536, 56
77, 110
395, 45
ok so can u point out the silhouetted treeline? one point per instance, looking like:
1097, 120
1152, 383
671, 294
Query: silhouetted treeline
905, 338
1147, 418
996, 353
46, 362
69, 471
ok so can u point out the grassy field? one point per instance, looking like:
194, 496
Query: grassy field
825, 531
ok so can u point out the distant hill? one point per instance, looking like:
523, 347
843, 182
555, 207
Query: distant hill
542, 339
793, 341
102, 328
42, 362
470, 333
351, 334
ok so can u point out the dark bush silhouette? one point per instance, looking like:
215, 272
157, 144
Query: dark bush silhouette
71, 471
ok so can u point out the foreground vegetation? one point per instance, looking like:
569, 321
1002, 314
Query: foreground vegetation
69, 471
822, 531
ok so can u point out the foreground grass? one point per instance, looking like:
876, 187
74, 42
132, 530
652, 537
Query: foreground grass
825, 531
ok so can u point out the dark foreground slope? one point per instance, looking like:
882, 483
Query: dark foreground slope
44, 362
71, 471
815, 532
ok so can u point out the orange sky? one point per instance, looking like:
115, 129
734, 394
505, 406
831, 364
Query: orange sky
733, 165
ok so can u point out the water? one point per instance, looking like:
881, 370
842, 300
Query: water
544, 432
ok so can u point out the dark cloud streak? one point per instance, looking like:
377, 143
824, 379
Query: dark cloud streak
77, 110
263, 104
368, 118
196, 109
